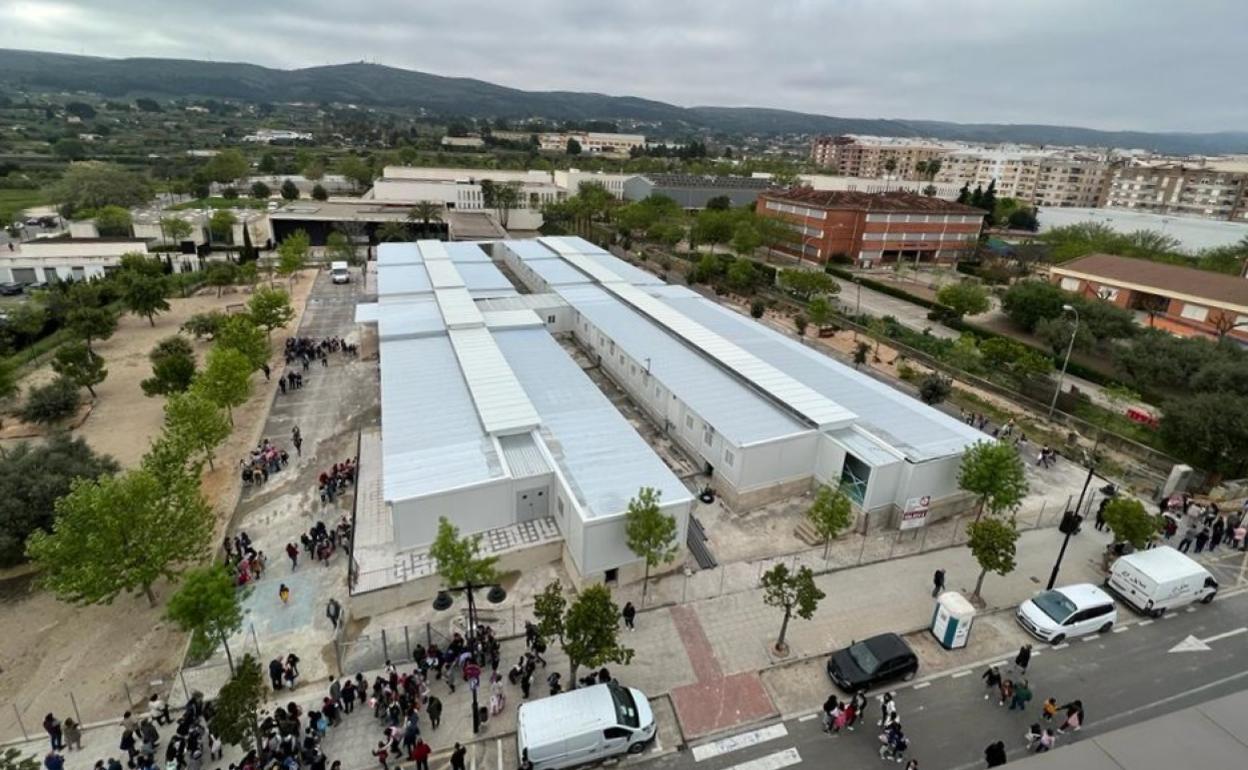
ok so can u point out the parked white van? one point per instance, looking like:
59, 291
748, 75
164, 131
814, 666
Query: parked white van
588, 724
1057, 615
339, 272
1160, 579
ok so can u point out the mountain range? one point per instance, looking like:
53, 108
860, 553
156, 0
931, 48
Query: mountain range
376, 85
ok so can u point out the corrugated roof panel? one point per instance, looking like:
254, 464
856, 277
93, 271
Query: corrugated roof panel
600, 454
398, 254
558, 245
401, 280
402, 320
512, 319
523, 302
626, 271
432, 439
465, 252
483, 277
865, 447
913, 428
742, 415
367, 312
443, 274
458, 309
529, 250
813, 405
556, 272
592, 268
500, 400
433, 250
523, 456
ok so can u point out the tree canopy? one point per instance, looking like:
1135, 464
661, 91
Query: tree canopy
993, 472
1127, 518
459, 559
207, 603
993, 543
830, 515
964, 298
792, 592
649, 533
226, 379
591, 631
173, 367
197, 423
77, 363
270, 308
235, 719
239, 332
91, 185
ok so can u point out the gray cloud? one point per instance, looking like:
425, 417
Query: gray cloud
1116, 64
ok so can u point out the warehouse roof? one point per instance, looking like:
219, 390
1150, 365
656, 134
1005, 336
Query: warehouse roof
702, 181
893, 200
557, 272
530, 250
1168, 280
910, 426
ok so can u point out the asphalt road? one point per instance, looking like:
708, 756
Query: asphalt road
1124, 677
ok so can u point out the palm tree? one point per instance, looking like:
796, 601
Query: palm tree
425, 212
393, 231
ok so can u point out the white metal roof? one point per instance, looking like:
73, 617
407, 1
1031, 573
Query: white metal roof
432, 439
603, 458
522, 302
865, 447
399, 280
523, 456
433, 250
460, 252
559, 245
628, 272
484, 278
417, 318
529, 250
556, 272
512, 319
367, 312
741, 414
821, 410
591, 267
442, 274
904, 423
500, 400
458, 309
398, 254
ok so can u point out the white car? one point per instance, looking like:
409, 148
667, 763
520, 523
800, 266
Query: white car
1057, 615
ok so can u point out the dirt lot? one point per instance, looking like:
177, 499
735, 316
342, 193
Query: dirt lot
52, 649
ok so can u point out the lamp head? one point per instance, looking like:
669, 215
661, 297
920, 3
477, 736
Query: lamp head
442, 601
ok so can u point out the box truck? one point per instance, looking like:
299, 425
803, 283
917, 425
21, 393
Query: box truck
1160, 579
588, 724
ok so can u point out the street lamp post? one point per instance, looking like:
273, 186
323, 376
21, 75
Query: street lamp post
443, 601
1070, 523
1065, 361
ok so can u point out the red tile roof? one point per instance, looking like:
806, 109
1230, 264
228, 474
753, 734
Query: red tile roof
896, 200
1166, 280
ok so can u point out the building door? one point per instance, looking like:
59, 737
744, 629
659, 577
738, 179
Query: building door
532, 504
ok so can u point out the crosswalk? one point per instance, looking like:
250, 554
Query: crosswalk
772, 761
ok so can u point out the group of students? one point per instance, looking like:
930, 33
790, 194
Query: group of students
1206, 527
320, 542
838, 715
330, 483
1015, 692
245, 563
266, 459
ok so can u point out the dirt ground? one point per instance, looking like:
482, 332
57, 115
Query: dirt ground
110, 657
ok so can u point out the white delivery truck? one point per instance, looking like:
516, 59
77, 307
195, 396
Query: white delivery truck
339, 272
1160, 579
588, 724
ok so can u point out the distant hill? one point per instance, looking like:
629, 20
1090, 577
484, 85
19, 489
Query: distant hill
376, 85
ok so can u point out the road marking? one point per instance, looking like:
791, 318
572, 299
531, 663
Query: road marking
499, 745
921, 685
1190, 644
772, 761
744, 740
807, 718
1168, 616
1144, 622
1191, 609
1224, 635
1091, 638
1120, 629
964, 673
1061, 646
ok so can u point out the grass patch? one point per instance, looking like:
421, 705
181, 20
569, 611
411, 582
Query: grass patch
217, 202
16, 199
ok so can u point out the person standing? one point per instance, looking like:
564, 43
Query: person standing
434, 707
283, 593
859, 705
457, 757
52, 726
421, 754
994, 754
54, 761
1023, 659
296, 438
629, 613
1021, 697
73, 735
938, 582
992, 680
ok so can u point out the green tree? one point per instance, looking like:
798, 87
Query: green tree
173, 367
292, 254
175, 230
32, 477
992, 543
227, 166
220, 275
800, 323
1027, 303
208, 605
993, 472
964, 298
319, 193
807, 283
260, 190
459, 559
574, 147
50, 403
221, 225
339, 247
91, 323
92, 185
69, 149
742, 276
197, 423
226, 379
270, 309
792, 592
1023, 219
1208, 430
934, 388
649, 533
144, 295
426, 213
591, 632
75, 362
757, 309
120, 534
290, 191
830, 515
235, 720
8, 379
820, 312
1130, 522
389, 232
746, 238
113, 221
357, 171
314, 170
861, 351
549, 607
719, 203
240, 333
12, 759
203, 325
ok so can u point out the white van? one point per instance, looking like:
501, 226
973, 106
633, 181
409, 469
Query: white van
1159, 579
1057, 615
588, 724
339, 272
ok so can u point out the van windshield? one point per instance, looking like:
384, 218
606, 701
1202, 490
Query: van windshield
625, 706
1055, 605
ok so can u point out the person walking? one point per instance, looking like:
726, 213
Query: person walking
938, 582
296, 438
434, 708
54, 761
992, 680
383, 756
1049, 709
859, 705
292, 551
1186, 543
52, 726
994, 754
629, 613
283, 593
1022, 696
1023, 659
73, 735
420, 753
457, 757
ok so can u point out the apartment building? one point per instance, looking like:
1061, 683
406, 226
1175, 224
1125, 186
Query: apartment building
870, 156
873, 229
1065, 182
1174, 188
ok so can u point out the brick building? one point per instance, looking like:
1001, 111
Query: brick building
873, 229
1182, 300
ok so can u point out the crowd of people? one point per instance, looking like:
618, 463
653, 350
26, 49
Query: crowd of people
305, 350
1012, 690
838, 715
266, 459
330, 483
243, 560
1204, 526
320, 542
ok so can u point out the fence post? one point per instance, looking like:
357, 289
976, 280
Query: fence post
513, 620
338, 654
407, 641
428, 634
254, 641
186, 692
73, 702
129, 697
385, 649
18, 714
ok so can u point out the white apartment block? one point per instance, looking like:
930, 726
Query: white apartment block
593, 142
1177, 189
871, 156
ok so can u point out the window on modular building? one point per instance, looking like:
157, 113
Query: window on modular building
729, 458
855, 475
550, 319
1194, 312
689, 422
708, 435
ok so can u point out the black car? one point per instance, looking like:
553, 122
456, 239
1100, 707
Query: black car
10, 289
862, 665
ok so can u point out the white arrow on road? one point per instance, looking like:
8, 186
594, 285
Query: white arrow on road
1192, 644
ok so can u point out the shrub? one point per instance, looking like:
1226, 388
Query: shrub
757, 308
934, 388
52, 402
800, 322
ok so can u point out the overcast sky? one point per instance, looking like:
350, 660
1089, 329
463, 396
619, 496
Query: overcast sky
1116, 64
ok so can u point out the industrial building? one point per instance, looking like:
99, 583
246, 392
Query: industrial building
692, 191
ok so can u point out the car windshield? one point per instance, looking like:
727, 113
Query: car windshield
625, 706
864, 658
1055, 605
